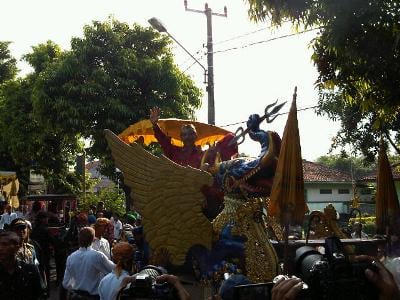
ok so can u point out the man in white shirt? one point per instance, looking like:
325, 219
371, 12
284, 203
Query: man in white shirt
7, 217
117, 227
357, 232
99, 243
85, 267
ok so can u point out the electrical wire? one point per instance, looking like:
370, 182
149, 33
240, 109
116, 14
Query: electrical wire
194, 62
266, 41
246, 34
190, 58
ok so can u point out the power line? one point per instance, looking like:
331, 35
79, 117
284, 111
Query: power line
240, 36
285, 113
193, 63
190, 58
246, 34
266, 41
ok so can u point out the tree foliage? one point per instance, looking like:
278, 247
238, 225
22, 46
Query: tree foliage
355, 166
8, 64
357, 54
108, 79
112, 197
28, 142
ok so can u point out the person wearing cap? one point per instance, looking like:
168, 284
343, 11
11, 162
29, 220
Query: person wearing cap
100, 243
26, 252
85, 268
18, 280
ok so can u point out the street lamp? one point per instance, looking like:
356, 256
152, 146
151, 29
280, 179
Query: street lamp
159, 26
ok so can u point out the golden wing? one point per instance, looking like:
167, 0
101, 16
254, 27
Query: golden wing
168, 197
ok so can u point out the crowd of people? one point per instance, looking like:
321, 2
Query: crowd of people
97, 258
95, 255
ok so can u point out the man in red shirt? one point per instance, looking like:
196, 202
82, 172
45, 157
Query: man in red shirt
189, 154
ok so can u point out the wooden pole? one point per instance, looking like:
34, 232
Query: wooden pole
286, 269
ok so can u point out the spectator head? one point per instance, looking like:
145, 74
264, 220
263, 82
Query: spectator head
86, 237
116, 216
42, 218
100, 206
10, 243
107, 214
100, 214
138, 233
82, 219
20, 227
130, 219
8, 208
357, 227
36, 206
123, 254
100, 226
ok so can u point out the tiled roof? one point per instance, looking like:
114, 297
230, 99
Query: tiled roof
395, 172
314, 172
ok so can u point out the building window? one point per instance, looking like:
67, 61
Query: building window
344, 191
325, 191
366, 191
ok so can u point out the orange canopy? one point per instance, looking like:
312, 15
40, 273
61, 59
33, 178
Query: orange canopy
386, 203
287, 195
206, 134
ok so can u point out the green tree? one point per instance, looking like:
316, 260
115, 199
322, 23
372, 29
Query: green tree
8, 70
110, 79
29, 143
8, 64
357, 53
112, 197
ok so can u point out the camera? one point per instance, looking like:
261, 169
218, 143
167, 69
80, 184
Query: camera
328, 276
146, 287
332, 275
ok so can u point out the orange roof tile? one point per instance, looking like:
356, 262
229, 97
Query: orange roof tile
314, 172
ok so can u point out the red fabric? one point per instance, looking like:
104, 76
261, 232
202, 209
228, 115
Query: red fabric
192, 157
180, 155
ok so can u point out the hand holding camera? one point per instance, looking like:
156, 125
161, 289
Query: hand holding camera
381, 278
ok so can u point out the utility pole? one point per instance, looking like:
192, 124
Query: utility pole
210, 57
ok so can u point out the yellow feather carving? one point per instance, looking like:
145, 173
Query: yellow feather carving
168, 197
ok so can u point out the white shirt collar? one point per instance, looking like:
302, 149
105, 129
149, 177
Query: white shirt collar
85, 248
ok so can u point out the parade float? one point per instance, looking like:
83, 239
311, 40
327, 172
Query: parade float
262, 198
171, 197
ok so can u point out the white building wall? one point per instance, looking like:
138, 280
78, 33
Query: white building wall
317, 201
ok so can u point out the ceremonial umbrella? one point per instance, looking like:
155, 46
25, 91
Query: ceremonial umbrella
287, 196
11, 191
6, 177
386, 203
143, 131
